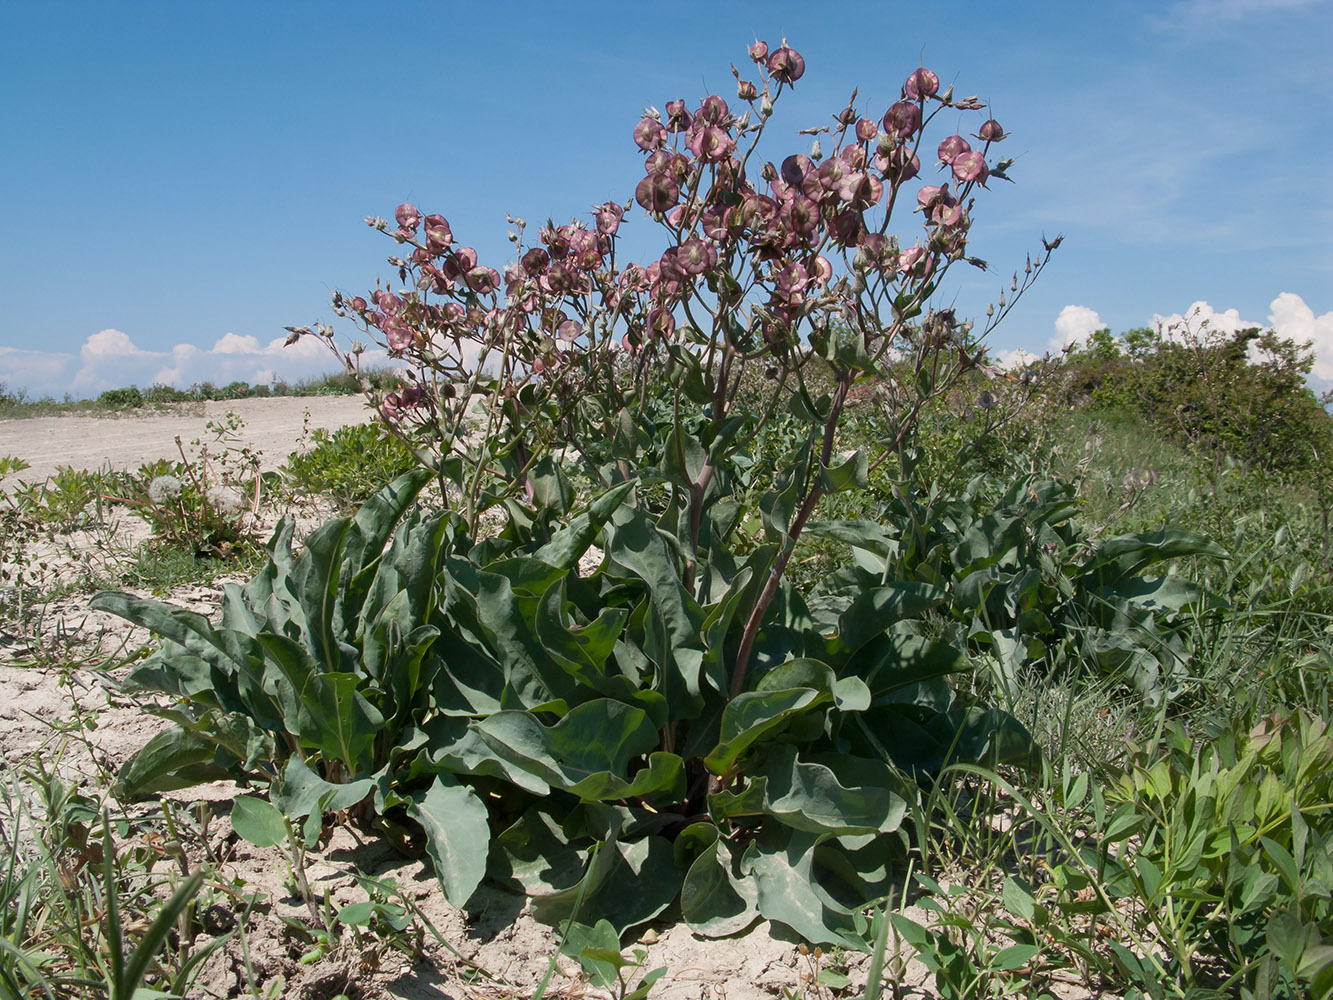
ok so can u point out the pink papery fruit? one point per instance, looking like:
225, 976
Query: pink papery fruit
786, 65
903, 119
920, 85
969, 167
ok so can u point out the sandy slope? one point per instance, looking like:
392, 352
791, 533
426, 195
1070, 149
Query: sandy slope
129, 440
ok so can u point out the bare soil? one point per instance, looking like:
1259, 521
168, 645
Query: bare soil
130, 439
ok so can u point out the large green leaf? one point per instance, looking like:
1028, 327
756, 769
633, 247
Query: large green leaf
325, 709
569, 544
1115, 559
675, 634
714, 900
831, 793
753, 715
300, 792
626, 885
787, 890
587, 752
872, 613
174, 758
258, 821
458, 835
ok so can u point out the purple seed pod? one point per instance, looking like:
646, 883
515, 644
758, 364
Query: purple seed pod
969, 167
953, 146
650, 135
903, 119
786, 65
408, 217
657, 193
920, 85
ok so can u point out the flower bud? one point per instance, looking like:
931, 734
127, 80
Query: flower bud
766, 106
990, 131
759, 51
746, 90
816, 151
866, 130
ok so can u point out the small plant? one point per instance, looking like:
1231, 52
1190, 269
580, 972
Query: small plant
207, 506
121, 399
350, 465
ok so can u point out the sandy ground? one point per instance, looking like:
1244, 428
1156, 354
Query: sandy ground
126, 441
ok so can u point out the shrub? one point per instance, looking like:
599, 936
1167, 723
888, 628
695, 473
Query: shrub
121, 399
350, 465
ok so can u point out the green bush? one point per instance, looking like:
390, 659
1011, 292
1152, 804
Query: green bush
121, 399
350, 465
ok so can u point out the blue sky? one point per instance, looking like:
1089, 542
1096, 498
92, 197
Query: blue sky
183, 180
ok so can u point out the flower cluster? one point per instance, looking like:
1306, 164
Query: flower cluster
762, 256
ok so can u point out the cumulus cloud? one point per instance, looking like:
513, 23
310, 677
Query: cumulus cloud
1289, 317
1074, 325
1013, 360
109, 359
1201, 320
1292, 319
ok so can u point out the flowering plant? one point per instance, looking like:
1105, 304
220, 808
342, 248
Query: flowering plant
786, 267
620, 700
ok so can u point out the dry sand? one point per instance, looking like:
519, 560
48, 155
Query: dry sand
128, 440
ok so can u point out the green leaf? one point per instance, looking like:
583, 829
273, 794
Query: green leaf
550, 486
873, 612
585, 751
569, 543
852, 473
173, 758
326, 709
713, 900
458, 835
1014, 957
258, 821
301, 792
834, 794
752, 715
1018, 899
627, 885
786, 890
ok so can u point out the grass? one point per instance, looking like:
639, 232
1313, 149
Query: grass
1063, 875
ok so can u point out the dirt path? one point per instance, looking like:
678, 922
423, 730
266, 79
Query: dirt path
127, 441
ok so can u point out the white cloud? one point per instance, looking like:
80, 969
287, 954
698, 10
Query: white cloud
1201, 322
1292, 319
109, 359
1289, 317
33, 371
1074, 325
1012, 360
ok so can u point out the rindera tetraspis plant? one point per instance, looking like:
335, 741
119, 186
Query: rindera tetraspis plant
625, 689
